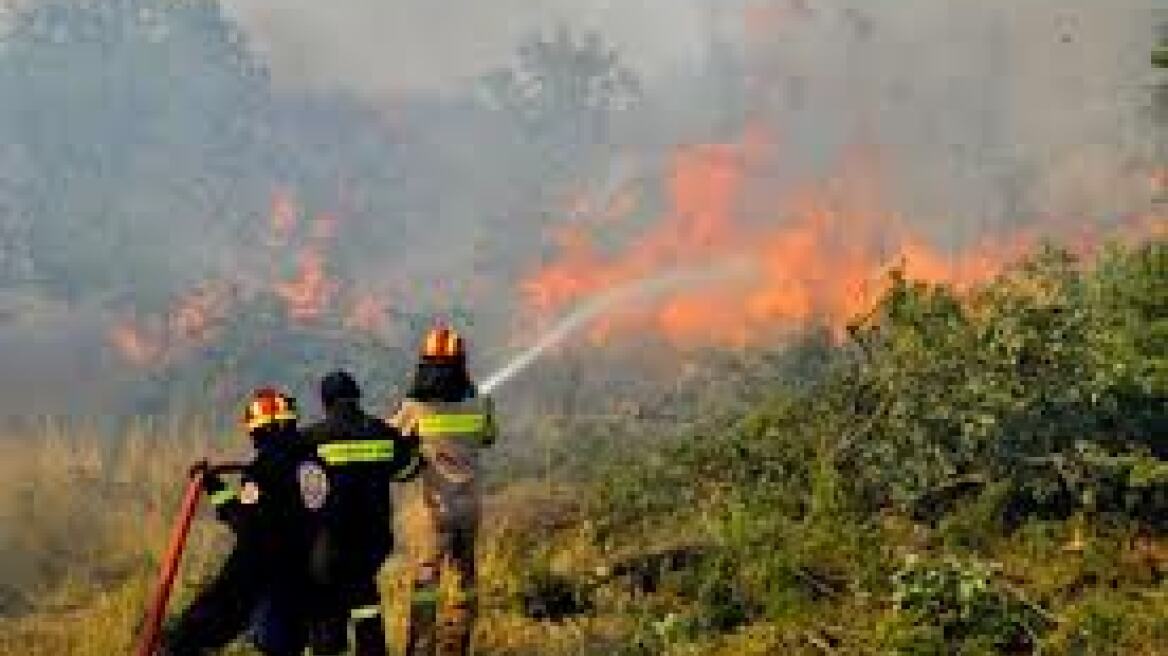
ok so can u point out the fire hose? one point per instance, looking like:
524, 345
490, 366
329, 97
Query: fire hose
168, 569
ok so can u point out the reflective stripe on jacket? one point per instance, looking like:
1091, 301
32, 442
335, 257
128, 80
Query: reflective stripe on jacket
451, 434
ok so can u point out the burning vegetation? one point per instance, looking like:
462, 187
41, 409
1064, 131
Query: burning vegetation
292, 300
818, 253
837, 395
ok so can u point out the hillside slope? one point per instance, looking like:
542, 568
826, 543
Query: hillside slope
979, 473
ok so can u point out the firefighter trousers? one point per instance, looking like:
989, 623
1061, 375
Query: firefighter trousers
238, 603
355, 603
448, 548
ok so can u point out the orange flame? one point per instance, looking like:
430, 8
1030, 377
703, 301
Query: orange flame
368, 313
195, 316
132, 342
311, 291
282, 218
1158, 182
823, 256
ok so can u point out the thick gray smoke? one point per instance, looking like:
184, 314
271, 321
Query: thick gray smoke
380, 48
146, 163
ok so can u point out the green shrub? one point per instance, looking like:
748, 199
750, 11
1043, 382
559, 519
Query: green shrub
951, 605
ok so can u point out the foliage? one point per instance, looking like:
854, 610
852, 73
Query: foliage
1038, 395
563, 83
785, 528
951, 605
1051, 378
97, 95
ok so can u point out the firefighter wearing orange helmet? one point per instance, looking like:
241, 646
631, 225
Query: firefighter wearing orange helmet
261, 589
454, 423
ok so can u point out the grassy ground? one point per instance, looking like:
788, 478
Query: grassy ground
84, 520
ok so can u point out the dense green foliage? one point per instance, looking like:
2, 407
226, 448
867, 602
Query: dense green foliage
949, 424
1049, 379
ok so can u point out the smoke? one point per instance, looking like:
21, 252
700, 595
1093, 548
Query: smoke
981, 118
57, 362
377, 48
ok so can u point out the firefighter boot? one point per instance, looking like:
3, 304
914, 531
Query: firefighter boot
423, 621
368, 631
457, 628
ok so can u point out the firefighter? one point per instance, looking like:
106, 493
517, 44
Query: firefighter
362, 456
261, 587
454, 423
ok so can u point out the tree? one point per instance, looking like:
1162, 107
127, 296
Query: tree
1160, 53
1160, 90
135, 122
563, 90
557, 101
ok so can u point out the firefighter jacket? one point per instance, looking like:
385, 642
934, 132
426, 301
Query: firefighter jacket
451, 434
273, 510
362, 455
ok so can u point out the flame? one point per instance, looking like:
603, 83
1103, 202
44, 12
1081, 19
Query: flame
369, 313
309, 294
282, 218
1158, 182
197, 315
821, 256
132, 342
193, 319
312, 291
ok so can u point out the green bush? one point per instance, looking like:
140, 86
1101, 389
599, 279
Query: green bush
950, 606
1053, 377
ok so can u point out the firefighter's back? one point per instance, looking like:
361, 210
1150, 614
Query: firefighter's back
452, 435
359, 454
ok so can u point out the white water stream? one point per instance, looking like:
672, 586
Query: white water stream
599, 305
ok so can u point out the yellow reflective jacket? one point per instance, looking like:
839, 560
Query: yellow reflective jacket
451, 435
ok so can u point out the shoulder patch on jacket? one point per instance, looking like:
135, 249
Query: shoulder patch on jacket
313, 482
250, 493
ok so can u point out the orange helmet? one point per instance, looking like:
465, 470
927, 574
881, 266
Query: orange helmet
442, 343
268, 406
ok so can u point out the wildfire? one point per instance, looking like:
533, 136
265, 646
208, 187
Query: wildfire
1158, 182
821, 257
282, 218
368, 313
193, 320
196, 315
308, 293
133, 344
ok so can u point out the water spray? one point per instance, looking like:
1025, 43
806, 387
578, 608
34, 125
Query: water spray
600, 305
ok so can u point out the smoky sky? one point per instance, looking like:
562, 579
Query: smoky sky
987, 108
386, 46
984, 111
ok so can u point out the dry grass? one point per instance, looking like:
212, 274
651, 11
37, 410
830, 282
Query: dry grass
84, 518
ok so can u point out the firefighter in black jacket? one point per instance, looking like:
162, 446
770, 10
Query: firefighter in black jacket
362, 456
262, 586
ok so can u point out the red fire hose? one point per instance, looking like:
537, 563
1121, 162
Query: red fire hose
148, 641
166, 573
